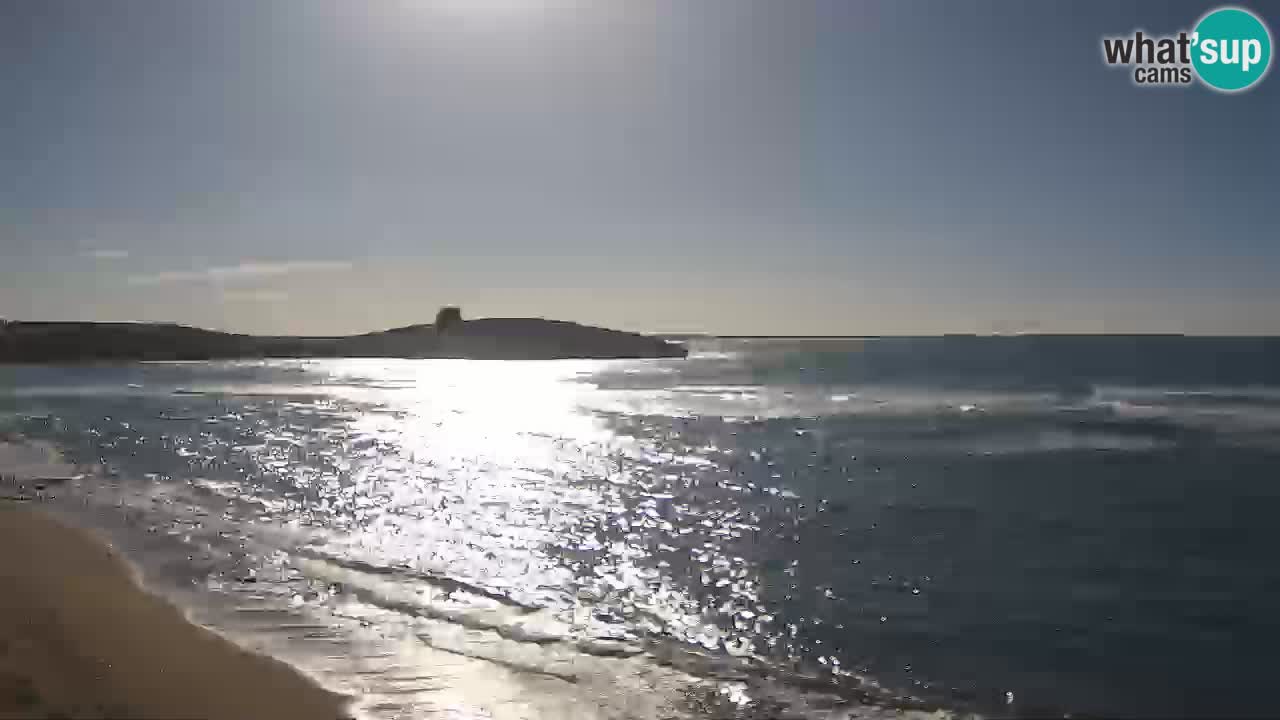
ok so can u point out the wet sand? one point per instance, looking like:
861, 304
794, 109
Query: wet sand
79, 638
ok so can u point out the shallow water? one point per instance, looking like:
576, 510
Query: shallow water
767, 529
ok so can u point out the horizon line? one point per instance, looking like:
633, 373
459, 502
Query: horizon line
693, 335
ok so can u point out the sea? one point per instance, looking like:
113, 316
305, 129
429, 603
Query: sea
1047, 526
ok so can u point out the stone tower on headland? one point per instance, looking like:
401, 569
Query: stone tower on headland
448, 318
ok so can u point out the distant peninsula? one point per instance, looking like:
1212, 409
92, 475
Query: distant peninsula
449, 337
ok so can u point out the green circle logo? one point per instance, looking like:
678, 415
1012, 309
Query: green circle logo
1232, 49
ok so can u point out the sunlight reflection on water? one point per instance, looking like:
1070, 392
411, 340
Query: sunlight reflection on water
488, 510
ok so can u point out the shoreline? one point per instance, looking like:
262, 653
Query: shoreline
81, 638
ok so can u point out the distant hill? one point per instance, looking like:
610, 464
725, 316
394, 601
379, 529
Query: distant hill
491, 338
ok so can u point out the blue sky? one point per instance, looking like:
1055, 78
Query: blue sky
730, 166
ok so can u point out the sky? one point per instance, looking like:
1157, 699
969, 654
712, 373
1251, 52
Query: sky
724, 166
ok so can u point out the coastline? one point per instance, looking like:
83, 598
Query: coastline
450, 337
80, 638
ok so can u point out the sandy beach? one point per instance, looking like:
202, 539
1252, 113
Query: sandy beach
79, 638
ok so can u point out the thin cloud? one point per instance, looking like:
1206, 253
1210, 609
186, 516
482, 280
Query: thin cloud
243, 271
106, 254
255, 296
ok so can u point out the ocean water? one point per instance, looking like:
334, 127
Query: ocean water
767, 529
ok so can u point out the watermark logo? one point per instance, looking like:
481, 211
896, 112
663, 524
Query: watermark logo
1234, 49
1229, 50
